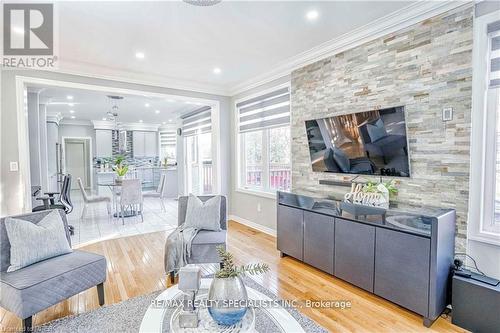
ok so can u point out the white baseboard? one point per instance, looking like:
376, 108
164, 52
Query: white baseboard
253, 225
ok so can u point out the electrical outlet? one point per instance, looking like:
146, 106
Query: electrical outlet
447, 114
259, 208
14, 166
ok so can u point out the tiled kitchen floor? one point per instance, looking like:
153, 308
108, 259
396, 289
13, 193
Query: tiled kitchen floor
97, 225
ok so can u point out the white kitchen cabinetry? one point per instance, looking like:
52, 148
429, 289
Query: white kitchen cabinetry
145, 144
103, 143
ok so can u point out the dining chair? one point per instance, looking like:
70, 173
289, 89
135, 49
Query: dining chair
131, 196
92, 199
160, 191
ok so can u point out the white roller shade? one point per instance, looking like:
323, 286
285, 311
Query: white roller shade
266, 111
197, 122
168, 138
494, 48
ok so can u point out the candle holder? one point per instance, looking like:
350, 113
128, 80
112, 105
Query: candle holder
189, 284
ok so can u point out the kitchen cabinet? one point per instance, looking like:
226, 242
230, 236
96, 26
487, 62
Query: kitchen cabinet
145, 144
103, 143
355, 253
290, 231
319, 241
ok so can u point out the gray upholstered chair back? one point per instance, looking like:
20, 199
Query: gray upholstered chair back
131, 192
31, 217
183, 207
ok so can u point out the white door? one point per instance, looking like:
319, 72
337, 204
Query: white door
75, 162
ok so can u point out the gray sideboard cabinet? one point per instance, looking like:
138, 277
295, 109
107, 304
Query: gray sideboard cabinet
403, 254
291, 231
355, 253
319, 240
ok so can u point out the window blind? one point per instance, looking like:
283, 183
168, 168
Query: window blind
494, 63
265, 111
168, 138
197, 122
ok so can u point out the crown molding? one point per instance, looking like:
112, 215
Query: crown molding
400, 19
54, 118
76, 122
109, 125
105, 73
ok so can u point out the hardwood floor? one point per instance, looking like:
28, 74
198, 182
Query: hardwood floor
135, 267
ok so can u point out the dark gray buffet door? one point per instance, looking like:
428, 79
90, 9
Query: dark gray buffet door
402, 269
290, 231
355, 253
318, 241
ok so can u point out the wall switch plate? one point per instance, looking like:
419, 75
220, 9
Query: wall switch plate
259, 208
447, 114
14, 166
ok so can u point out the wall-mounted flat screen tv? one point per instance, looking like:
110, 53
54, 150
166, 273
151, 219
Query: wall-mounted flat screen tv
371, 143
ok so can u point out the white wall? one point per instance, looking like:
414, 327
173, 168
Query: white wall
243, 206
42, 121
12, 189
52, 139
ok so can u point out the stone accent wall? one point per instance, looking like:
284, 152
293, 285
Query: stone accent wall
425, 67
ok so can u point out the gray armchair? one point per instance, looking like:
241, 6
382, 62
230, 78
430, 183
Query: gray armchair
203, 248
43, 284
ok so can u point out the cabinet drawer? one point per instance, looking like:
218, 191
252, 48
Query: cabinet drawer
354, 253
319, 241
402, 269
290, 231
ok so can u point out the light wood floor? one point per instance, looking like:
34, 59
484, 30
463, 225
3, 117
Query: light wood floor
135, 267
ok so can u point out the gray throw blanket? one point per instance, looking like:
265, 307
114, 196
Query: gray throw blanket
178, 248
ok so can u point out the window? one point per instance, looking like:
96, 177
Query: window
484, 202
168, 147
197, 132
264, 142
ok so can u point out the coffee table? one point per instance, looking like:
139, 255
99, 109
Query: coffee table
158, 319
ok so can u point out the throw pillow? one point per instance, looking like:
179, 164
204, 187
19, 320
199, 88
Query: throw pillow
203, 215
341, 159
376, 130
31, 243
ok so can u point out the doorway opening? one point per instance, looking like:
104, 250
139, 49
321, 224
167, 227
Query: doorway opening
77, 160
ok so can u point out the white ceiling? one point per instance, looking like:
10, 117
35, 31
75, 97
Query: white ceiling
183, 42
93, 105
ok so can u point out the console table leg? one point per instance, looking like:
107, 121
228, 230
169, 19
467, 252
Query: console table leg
428, 322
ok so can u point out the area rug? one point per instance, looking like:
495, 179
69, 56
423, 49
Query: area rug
127, 316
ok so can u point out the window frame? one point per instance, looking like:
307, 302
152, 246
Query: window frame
240, 183
482, 174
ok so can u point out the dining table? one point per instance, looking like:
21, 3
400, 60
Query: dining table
114, 187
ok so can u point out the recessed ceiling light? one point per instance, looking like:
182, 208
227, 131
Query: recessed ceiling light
140, 121
217, 70
164, 122
146, 105
104, 118
157, 111
170, 120
312, 15
73, 117
139, 55
71, 111
69, 97
71, 104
